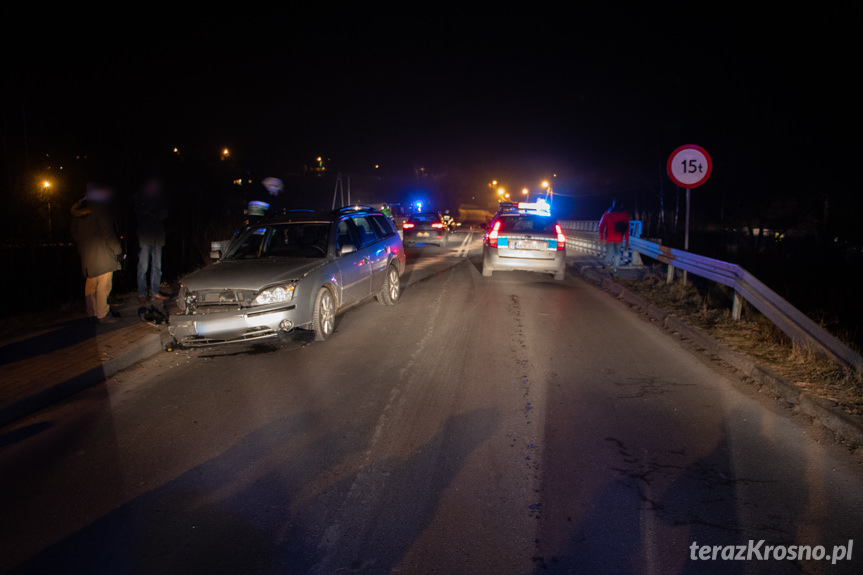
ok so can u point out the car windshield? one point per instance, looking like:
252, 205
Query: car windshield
293, 240
527, 223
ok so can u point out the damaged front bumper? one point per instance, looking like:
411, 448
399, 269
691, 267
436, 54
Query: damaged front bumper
218, 326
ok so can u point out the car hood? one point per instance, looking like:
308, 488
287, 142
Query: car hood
250, 274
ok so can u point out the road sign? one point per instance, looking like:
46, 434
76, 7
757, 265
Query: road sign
689, 166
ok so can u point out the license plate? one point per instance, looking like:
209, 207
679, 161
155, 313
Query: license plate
423, 235
529, 245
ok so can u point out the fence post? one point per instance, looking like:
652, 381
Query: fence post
736, 306
669, 277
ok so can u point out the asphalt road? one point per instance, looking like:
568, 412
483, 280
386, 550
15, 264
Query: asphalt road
513, 424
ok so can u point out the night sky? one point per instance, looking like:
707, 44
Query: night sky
599, 96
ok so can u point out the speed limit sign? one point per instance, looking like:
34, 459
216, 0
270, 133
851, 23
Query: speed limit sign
689, 166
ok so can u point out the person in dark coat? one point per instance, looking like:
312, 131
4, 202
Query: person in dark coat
92, 228
151, 211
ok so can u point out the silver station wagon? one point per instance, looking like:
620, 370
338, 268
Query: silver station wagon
297, 270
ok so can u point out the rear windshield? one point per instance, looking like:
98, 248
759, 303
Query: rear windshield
527, 223
425, 218
294, 240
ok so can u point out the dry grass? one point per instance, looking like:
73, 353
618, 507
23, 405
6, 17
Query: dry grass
708, 306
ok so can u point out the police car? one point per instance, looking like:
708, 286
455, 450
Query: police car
524, 236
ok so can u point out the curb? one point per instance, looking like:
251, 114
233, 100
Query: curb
144, 348
828, 413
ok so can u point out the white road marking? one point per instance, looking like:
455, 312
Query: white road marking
464, 248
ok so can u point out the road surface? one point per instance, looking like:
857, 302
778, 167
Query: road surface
512, 424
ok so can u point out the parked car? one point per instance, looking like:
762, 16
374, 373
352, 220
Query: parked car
524, 239
425, 228
298, 270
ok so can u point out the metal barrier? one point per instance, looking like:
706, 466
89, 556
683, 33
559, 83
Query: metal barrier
583, 236
794, 323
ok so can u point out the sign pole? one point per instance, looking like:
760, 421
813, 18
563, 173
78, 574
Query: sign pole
686, 232
689, 167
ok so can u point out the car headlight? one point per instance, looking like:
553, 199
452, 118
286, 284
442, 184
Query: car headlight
275, 294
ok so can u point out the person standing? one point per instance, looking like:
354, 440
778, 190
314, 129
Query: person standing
266, 201
92, 229
614, 231
151, 211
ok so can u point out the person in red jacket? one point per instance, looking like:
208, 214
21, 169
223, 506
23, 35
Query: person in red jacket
614, 232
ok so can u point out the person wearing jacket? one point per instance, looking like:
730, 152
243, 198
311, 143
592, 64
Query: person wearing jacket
151, 211
614, 231
92, 228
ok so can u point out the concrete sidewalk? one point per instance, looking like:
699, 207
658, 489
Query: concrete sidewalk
46, 363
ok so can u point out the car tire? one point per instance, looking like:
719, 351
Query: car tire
486, 270
559, 275
324, 315
392, 290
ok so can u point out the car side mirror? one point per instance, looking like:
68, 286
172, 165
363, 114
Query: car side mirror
347, 249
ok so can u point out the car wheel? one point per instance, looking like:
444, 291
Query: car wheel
486, 269
324, 315
559, 275
392, 288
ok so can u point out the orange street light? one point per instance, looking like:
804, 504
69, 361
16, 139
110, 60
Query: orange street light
45, 186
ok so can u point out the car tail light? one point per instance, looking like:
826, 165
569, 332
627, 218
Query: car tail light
407, 225
561, 239
437, 226
493, 235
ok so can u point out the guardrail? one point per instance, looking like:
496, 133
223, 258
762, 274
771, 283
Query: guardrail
794, 323
582, 235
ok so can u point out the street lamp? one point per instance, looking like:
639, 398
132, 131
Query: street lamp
549, 193
45, 186
524, 191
